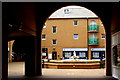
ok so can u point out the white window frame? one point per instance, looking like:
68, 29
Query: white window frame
77, 36
74, 22
43, 38
52, 29
52, 41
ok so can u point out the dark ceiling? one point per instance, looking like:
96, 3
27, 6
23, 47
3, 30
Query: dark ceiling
22, 18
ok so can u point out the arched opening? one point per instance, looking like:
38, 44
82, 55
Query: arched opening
63, 32
41, 18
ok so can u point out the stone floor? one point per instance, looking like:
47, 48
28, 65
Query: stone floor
16, 71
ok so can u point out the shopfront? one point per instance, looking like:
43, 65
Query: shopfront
82, 53
97, 53
44, 54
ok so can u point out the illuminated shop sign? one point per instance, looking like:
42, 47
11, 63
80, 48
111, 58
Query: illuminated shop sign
75, 49
97, 49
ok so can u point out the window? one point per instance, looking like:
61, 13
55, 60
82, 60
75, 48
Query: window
43, 36
96, 54
44, 51
101, 24
44, 26
66, 11
82, 54
93, 23
54, 41
67, 54
75, 36
92, 36
54, 29
75, 23
103, 36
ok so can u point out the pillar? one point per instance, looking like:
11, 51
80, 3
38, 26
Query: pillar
33, 56
108, 55
10, 50
89, 53
30, 59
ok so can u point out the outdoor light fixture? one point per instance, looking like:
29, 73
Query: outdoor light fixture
54, 48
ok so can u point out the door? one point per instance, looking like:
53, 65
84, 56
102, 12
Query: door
54, 55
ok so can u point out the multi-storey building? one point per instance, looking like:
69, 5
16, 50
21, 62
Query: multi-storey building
73, 31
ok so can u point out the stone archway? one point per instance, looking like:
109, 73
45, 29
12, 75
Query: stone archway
105, 21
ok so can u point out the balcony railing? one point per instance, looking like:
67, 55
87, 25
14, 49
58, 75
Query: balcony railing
93, 28
93, 41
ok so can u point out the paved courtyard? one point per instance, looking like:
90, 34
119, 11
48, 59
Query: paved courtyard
16, 70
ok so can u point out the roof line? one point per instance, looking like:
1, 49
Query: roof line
76, 18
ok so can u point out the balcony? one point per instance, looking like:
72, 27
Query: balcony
93, 41
93, 28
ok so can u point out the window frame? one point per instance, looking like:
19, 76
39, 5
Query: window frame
77, 36
81, 53
53, 29
53, 42
74, 23
95, 53
93, 22
43, 38
93, 35
102, 35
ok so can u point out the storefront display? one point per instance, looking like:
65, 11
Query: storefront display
98, 53
80, 52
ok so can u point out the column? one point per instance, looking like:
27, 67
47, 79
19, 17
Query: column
108, 55
10, 50
30, 59
89, 53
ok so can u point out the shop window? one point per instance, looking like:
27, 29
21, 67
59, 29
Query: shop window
93, 23
43, 36
103, 36
54, 41
44, 52
67, 55
82, 54
75, 23
75, 36
95, 54
54, 29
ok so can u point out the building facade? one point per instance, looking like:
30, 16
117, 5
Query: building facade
73, 31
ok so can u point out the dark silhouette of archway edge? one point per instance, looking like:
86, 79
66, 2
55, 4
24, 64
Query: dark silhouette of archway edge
103, 10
